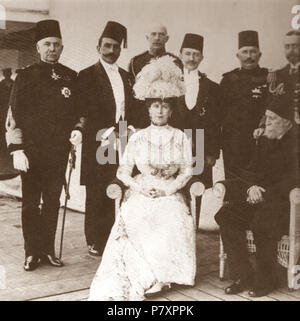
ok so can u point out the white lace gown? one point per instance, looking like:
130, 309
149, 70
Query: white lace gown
152, 242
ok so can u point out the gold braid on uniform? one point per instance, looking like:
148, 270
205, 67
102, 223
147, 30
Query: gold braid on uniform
13, 135
274, 88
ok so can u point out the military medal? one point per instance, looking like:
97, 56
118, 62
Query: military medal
54, 75
257, 92
203, 111
66, 92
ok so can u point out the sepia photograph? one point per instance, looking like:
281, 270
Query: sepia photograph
149, 151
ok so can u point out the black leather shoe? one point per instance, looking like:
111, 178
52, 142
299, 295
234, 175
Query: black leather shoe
52, 260
94, 251
237, 287
257, 292
31, 263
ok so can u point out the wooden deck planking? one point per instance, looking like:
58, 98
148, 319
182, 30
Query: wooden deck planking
71, 283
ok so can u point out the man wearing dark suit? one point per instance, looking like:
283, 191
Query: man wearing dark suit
244, 92
259, 201
104, 101
5, 89
41, 117
198, 109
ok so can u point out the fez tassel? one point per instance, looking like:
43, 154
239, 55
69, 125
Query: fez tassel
72, 161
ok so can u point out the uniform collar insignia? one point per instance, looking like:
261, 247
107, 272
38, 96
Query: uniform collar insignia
54, 75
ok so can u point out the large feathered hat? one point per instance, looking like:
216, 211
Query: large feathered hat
160, 79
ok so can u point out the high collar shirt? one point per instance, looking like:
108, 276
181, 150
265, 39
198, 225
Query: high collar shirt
191, 80
117, 85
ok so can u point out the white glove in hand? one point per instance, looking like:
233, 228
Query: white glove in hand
20, 161
255, 194
219, 190
258, 132
76, 137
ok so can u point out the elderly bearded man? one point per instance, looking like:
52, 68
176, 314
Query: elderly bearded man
259, 201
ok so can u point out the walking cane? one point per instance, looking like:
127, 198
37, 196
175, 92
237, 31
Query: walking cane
72, 161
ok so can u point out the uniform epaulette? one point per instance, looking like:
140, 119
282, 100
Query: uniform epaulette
69, 70
231, 72
140, 55
233, 75
27, 68
272, 76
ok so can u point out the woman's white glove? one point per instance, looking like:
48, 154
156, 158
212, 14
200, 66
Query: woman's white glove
219, 190
76, 137
255, 194
20, 161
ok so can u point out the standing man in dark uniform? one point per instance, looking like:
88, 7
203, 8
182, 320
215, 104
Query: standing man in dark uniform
243, 104
157, 37
199, 107
40, 121
5, 89
105, 96
287, 79
259, 201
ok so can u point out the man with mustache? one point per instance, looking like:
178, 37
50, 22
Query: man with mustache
259, 200
157, 37
287, 79
40, 120
199, 107
243, 104
104, 101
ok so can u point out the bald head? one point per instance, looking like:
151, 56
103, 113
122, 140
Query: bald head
157, 27
157, 36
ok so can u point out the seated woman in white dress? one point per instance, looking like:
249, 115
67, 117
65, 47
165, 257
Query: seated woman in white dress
152, 243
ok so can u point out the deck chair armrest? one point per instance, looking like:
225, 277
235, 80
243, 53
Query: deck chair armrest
115, 189
195, 187
295, 214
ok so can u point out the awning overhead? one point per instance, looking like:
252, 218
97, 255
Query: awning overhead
17, 35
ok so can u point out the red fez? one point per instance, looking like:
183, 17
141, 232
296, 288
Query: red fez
281, 105
47, 28
116, 31
248, 38
192, 40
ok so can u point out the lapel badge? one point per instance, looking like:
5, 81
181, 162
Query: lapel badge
203, 111
66, 92
54, 75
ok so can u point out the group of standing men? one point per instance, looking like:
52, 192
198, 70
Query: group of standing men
51, 106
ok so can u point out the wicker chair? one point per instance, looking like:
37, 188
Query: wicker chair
288, 250
194, 188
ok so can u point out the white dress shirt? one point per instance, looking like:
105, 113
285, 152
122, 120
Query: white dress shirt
191, 81
117, 85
